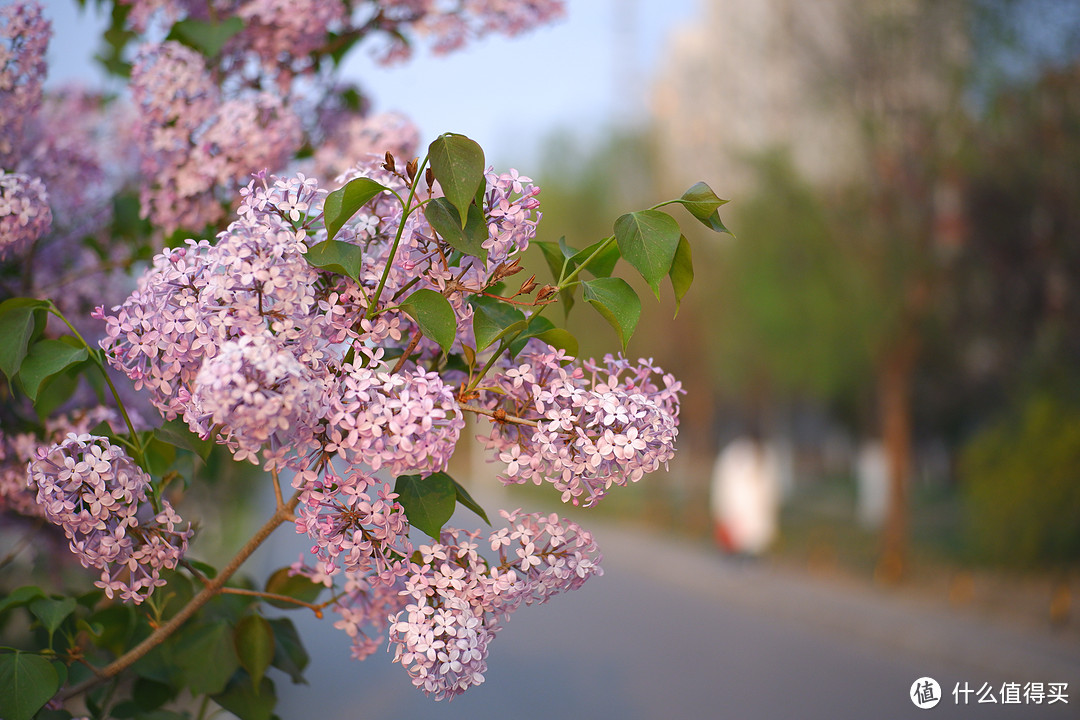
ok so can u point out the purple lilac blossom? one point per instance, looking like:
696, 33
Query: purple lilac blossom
95, 492
596, 425
24, 212
457, 599
24, 37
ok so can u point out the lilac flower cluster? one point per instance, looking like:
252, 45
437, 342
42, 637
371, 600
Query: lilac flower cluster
194, 142
403, 422
353, 135
24, 37
585, 429
95, 492
450, 27
457, 599
24, 212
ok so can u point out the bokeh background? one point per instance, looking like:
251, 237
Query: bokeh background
895, 321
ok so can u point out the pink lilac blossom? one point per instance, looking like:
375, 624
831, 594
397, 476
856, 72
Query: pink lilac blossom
357, 136
258, 392
94, 491
356, 523
24, 212
24, 37
63, 148
402, 422
284, 33
195, 144
457, 599
591, 427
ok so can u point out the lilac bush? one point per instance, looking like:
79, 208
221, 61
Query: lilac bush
282, 279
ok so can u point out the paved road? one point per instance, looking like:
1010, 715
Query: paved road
672, 631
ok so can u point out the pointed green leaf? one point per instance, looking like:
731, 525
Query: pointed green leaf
52, 612
28, 682
560, 338
464, 498
249, 700
493, 319
56, 390
21, 596
702, 203
648, 240
17, 326
434, 314
342, 204
289, 654
206, 657
284, 582
603, 264
176, 432
554, 257
458, 164
254, 646
617, 302
428, 502
150, 695
337, 257
681, 273
206, 37
444, 219
543, 329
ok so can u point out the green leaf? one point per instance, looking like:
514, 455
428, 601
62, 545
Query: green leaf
560, 338
555, 255
55, 391
464, 498
47, 358
603, 264
206, 37
176, 432
16, 328
254, 646
150, 694
458, 164
681, 273
337, 257
543, 329
428, 502
289, 654
248, 702
648, 240
468, 238
283, 582
52, 612
434, 314
702, 203
493, 319
617, 302
342, 204
21, 596
206, 656
159, 455
28, 682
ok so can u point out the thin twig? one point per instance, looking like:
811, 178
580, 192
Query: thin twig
498, 415
413, 342
272, 596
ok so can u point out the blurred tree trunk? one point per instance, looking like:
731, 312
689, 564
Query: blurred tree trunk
894, 397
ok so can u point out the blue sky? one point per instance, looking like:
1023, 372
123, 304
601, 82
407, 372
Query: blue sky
589, 71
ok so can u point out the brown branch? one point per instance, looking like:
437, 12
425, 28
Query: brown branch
213, 587
413, 342
498, 415
317, 609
